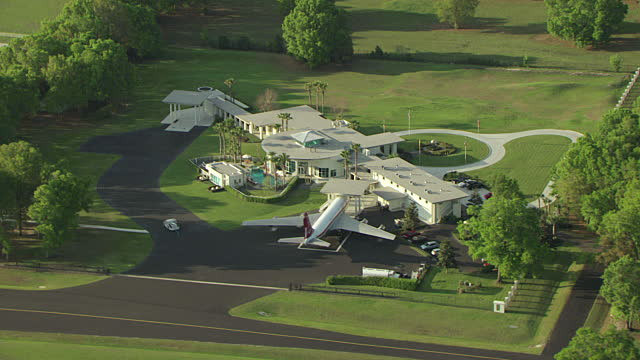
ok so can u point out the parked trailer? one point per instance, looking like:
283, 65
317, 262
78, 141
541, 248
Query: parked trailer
373, 272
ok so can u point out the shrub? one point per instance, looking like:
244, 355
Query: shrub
616, 62
223, 42
264, 199
393, 283
243, 43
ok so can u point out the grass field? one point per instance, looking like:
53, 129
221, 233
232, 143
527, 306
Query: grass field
377, 92
528, 160
24, 16
476, 150
411, 26
31, 346
31, 280
222, 209
443, 316
598, 314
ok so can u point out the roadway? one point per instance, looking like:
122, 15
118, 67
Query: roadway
148, 308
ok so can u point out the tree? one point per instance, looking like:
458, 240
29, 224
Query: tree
585, 22
267, 99
456, 12
346, 157
354, 124
410, 219
446, 256
505, 186
594, 173
285, 117
286, 6
308, 87
356, 151
6, 245
589, 344
621, 288
18, 96
507, 233
56, 206
620, 230
616, 62
219, 128
285, 163
636, 106
230, 82
321, 87
22, 164
316, 31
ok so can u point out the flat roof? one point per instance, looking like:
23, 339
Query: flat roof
415, 180
285, 143
389, 193
228, 106
302, 117
345, 187
224, 168
187, 98
349, 135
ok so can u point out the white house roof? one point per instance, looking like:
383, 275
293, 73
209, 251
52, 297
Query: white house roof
348, 135
414, 180
284, 143
380, 139
389, 193
227, 106
187, 98
345, 187
302, 117
306, 136
224, 168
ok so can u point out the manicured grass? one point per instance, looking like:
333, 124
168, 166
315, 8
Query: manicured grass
32, 346
528, 160
31, 280
443, 316
598, 314
25, 16
377, 92
476, 150
411, 26
222, 209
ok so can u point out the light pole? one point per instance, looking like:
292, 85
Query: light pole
478, 126
419, 153
409, 116
465, 152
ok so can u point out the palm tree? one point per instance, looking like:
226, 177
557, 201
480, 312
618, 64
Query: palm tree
227, 126
317, 84
230, 82
277, 161
285, 117
308, 87
219, 127
277, 126
354, 124
356, 150
346, 156
271, 156
285, 164
237, 134
322, 87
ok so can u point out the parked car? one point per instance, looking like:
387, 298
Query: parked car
216, 188
409, 234
428, 247
435, 251
171, 224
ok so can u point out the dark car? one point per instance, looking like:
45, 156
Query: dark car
409, 234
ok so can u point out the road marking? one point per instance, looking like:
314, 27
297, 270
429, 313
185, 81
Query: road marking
202, 282
100, 227
251, 332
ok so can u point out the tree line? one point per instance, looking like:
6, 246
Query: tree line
80, 60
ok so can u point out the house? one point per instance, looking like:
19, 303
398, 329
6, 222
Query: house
225, 174
268, 123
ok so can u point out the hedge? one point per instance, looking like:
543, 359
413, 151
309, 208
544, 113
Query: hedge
264, 199
388, 282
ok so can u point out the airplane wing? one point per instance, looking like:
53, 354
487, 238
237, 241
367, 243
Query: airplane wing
345, 222
283, 221
300, 240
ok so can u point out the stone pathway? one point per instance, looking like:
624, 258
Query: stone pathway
496, 143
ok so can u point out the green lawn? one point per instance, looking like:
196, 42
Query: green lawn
443, 316
528, 160
377, 92
476, 150
411, 26
222, 209
31, 280
31, 346
24, 16
598, 314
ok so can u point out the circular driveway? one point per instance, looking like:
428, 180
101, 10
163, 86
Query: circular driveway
495, 142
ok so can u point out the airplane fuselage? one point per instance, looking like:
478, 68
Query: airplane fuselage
328, 217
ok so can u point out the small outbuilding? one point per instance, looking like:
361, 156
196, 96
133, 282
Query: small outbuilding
225, 174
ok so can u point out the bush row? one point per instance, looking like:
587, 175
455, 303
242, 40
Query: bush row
393, 283
264, 199
243, 43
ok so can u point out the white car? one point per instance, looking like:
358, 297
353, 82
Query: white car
171, 224
435, 252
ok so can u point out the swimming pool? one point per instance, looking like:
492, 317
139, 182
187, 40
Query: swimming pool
258, 175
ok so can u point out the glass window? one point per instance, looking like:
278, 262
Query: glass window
334, 173
292, 166
323, 172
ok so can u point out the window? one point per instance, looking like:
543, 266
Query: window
292, 166
323, 172
334, 173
